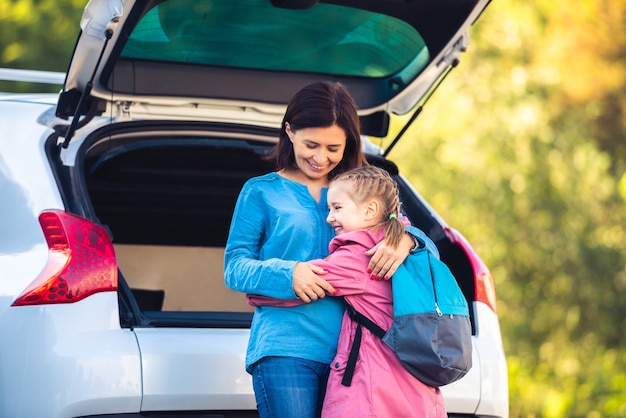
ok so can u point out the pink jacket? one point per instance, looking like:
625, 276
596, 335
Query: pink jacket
381, 387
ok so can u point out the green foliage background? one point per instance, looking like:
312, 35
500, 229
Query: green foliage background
523, 149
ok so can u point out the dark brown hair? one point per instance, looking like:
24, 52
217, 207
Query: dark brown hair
320, 105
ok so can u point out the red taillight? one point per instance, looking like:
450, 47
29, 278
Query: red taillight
483, 281
81, 261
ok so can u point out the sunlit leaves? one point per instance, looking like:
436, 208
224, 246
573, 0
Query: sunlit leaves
38, 35
522, 149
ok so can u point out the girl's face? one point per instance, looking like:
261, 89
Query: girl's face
345, 214
317, 151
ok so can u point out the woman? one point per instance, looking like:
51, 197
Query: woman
279, 221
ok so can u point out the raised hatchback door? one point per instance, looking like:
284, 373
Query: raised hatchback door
227, 60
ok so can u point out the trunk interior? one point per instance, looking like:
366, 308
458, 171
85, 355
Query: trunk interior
167, 198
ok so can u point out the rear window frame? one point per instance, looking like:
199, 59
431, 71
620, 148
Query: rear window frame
328, 39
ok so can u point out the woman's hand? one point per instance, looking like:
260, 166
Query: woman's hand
386, 259
307, 284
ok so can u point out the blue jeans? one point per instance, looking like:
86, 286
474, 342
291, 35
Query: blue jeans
289, 387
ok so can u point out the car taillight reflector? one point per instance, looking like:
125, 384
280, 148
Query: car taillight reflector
81, 261
484, 290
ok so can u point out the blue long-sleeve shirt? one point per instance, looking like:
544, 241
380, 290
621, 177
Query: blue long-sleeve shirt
276, 223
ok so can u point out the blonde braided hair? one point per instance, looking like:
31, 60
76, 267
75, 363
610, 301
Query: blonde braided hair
370, 182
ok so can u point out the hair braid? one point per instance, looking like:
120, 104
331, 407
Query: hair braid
370, 182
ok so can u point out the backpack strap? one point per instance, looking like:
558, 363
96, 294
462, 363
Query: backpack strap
360, 319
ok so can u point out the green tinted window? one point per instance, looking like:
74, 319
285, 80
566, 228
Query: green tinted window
325, 39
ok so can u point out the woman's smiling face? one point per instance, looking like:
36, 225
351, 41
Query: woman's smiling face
317, 151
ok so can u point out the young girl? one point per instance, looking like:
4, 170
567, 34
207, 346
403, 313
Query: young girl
364, 209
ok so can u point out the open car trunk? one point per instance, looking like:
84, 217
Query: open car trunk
167, 197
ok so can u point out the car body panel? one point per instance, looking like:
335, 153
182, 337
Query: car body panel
27, 188
494, 390
194, 369
76, 363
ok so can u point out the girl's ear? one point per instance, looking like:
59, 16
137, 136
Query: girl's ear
372, 210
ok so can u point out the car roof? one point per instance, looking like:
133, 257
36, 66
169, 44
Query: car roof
255, 54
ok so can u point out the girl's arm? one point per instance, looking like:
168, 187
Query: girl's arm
345, 271
386, 259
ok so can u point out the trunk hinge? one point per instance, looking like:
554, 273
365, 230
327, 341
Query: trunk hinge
83, 98
450, 61
459, 47
124, 108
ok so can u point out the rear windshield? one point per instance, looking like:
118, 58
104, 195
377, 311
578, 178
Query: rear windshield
325, 39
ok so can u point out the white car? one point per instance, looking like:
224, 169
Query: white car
117, 195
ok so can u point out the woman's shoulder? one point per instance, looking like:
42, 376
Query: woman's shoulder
264, 178
263, 182
274, 182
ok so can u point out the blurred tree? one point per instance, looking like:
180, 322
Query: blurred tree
37, 35
522, 148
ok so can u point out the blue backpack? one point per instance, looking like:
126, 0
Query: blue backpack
431, 332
